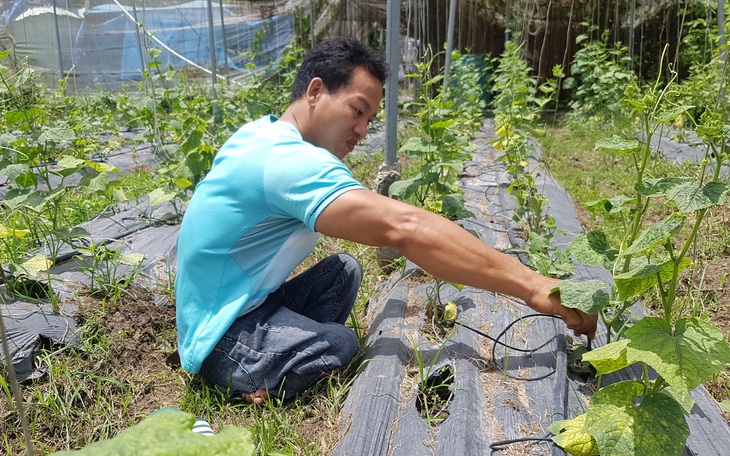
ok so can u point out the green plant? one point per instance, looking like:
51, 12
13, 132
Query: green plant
434, 386
683, 351
169, 432
110, 271
20, 96
517, 110
441, 149
598, 76
437, 311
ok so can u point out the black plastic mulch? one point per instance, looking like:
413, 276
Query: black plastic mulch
495, 398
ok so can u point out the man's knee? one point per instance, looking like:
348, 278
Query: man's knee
344, 345
351, 266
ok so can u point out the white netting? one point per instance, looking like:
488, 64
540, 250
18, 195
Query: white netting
107, 43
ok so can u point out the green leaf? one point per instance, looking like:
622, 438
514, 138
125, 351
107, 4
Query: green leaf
691, 197
618, 144
656, 427
14, 170
404, 189
101, 167
27, 179
592, 249
609, 358
456, 165
571, 436
416, 145
68, 165
683, 398
5, 232
684, 358
453, 205
131, 259
183, 183
641, 279
159, 196
613, 205
170, 432
67, 161
667, 115
589, 296
441, 124
119, 195
193, 142
34, 200
95, 182
686, 192
15, 117
656, 234
57, 134
660, 187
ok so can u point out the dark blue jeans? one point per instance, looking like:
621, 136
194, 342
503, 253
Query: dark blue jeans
294, 338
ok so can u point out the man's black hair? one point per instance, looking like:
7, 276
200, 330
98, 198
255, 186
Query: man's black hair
334, 60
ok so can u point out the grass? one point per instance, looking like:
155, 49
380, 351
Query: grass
117, 374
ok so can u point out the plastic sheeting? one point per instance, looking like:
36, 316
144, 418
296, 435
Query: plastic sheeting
104, 45
28, 326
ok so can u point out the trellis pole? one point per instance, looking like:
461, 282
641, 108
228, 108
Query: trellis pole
449, 43
632, 17
721, 25
224, 38
58, 40
392, 56
213, 63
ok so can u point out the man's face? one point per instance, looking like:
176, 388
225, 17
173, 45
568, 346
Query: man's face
341, 119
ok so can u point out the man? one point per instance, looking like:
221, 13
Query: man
274, 186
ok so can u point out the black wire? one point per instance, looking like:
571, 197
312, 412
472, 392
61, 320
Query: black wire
500, 445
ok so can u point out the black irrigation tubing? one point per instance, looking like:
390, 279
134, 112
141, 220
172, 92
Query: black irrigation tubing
499, 336
502, 444
497, 341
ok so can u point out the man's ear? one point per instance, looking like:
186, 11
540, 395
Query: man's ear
314, 90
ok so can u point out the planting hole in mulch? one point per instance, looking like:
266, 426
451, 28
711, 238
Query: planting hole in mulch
435, 395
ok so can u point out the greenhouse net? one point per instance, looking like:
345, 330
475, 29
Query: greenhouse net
107, 43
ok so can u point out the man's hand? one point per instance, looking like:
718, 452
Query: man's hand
545, 301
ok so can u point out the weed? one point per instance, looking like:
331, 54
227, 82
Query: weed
109, 270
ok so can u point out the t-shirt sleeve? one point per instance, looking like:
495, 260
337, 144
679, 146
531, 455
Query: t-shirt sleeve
302, 186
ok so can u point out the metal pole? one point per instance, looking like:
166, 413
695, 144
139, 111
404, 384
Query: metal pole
142, 55
213, 63
449, 43
311, 24
632, 16
721, 25
224, 40
58, 39
392, 55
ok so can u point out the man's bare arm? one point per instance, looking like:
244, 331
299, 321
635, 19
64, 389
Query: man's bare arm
445, 250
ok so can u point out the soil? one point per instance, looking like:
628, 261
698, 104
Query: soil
139, 331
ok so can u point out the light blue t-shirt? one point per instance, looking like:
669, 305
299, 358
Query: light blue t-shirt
249, 223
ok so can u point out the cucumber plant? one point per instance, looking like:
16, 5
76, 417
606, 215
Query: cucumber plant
517, 108
441, 149
675, 353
